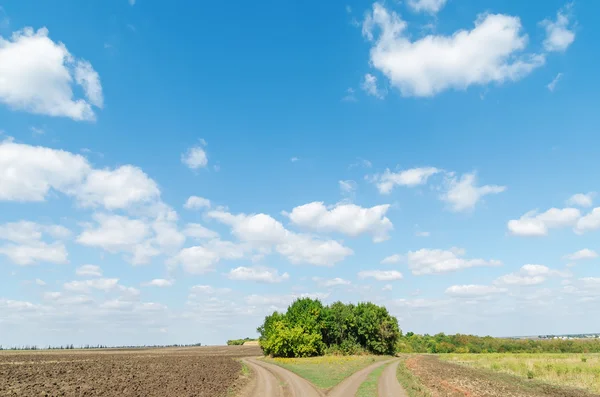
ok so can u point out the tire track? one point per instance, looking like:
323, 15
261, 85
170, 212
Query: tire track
350, 385
269, 378
388, 382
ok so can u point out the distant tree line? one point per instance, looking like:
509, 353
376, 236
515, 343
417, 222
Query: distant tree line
442, 343
308, 328
86, 347
238, 342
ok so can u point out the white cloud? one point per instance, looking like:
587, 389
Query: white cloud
117, 189
38, 252
429, 6
40, 282
264, 232
473, 291
86, 286
208, 290
369, 85
258, 273
391, 259
552, 85
195, 202
202, 259
422, 234
159, 282
349, 219
349, 97
195, 158
558, 34
27, 246
89, 271
492, 52
387, 287
583, 254
39, 75
333, 282
529, 275
581, 199
347, 187
131, 2
534, 224
588, 222
199, 232
294, 159
381, 275
463, 194
28, 173
412, 177
115, 233
300, 248
435, 261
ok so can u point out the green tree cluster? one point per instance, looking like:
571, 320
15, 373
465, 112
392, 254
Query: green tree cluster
308, 328
442, 343
239, 342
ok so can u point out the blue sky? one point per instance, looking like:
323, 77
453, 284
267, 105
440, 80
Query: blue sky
171, 174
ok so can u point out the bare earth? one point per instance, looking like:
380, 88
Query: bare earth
388, 383
269, 379
199, 372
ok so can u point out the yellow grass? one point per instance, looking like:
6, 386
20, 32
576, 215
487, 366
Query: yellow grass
575, 370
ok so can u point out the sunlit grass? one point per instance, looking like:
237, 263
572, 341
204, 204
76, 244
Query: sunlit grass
575, 370
369, 386
326, 371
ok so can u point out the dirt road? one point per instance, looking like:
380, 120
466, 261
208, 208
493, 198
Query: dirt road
269, 379
349, 386
388, 383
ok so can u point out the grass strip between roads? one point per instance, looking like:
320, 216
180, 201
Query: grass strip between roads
327, 371
411, 383
369, 386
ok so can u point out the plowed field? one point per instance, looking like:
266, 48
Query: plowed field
203, 371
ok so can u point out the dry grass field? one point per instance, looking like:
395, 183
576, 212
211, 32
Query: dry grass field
197, 371
444, 378
575, 370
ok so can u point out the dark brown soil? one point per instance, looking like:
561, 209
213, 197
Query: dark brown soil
205, 371
451, 380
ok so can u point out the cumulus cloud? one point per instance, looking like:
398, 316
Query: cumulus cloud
28, 173
559, 33
195, 158
381, 275
528, 275
114, 233
159, 282
435, 261
588, 222
412, 177
262, 231
195, 202
26, 245
463, 194
39, 76
203, 258
536, 224
349, 219
199, 232
581, 199
428, 6
86, 286
333, 282
259, 274
473, 291
491, 52
89, 271
583, 254
117, 189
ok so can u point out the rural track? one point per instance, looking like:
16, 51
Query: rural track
388, 382
350, 385
269, 378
